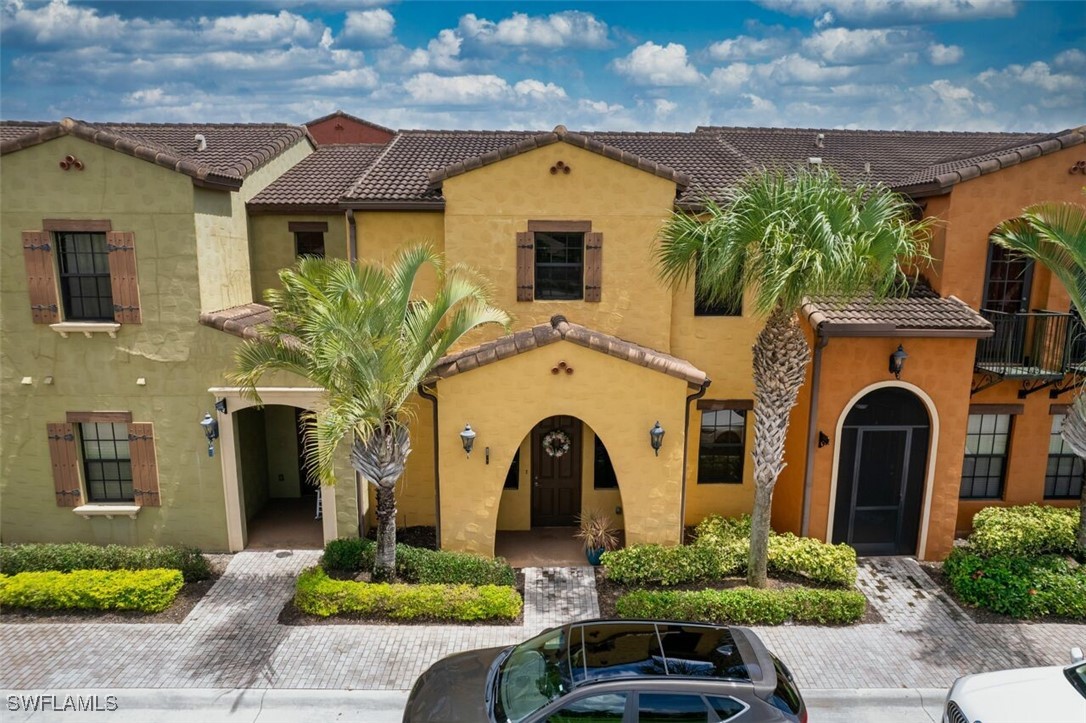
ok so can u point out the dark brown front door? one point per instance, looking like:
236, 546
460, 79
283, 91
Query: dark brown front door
556, 480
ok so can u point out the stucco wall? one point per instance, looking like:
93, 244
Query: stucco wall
169, 351
271, 246
504, 400
485, 209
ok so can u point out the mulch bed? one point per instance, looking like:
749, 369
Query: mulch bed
191, 593
984, 616
609, 592
291, 615
416, 536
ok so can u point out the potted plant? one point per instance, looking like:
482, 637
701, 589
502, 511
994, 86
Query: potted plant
597, 533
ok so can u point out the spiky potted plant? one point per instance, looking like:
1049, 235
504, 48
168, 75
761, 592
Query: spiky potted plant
597, 534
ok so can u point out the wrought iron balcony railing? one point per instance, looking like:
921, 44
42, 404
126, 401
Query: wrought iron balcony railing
1041, 345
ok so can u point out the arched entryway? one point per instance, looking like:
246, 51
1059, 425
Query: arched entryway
881, 472
560, 470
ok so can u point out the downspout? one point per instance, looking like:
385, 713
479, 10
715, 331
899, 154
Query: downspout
812, 433
352, 237
686, 453
437, 467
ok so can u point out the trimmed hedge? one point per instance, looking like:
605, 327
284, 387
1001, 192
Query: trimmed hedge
721, 548
70, 556
745, 605
419, 565
1024, 530
317, 594
1022, 587
148, 591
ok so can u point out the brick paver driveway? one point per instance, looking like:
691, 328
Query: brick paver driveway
232, 639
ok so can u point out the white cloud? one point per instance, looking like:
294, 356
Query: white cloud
441, 53
568, 29
259, 29
730, 78
431, 89
538, 91
876, 45
664, 107
940, 54
745, 47
660, 65
369, 26
1073, 59
865, 12
1038, 84
600, 107
354, 79
796, 70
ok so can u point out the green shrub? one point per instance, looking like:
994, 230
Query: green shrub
70, 556
1025, 530
674, 565
148, 591
417, 564
351, 554
745, 606
1022, 587
317, 594
721, 547
813, 559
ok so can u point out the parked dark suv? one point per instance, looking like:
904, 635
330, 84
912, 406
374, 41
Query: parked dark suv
628, 671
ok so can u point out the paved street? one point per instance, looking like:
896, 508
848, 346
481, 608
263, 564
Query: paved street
232, 639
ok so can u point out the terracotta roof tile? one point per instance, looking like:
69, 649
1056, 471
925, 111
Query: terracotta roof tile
238, 320
10, 130
348, 116
233, 151
558, 329
922, 313
318, 180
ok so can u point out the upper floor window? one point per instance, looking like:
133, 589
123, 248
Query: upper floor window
308, 237
1008, 281
985, 464
84, 276
559, 261
81, 271
1063, 478
722, 446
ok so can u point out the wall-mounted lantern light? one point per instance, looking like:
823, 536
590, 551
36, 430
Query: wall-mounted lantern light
468, 438
656, 438
897, 361
211, 430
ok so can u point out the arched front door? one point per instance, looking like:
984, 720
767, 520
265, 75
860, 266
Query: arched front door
880, 478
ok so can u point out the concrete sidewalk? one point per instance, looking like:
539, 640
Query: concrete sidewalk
232, 639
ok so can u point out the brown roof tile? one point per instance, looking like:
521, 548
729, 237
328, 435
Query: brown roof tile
922, 313
238, 320
10, 130
558, 329
319, 180
233, 150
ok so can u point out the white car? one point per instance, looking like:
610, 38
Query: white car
1055, 694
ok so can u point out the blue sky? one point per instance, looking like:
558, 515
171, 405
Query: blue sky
937, 64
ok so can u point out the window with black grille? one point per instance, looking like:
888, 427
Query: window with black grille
605, 477
107, 461
84, 276
985, 464
722, 441
1010, 276
559, 265
309, 243
1063, 479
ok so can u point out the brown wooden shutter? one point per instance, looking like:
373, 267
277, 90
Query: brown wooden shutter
65, 458
122, 274
41, 277
593, 265
141, 445
525, 266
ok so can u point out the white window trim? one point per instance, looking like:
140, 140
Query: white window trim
86, 328
108, 511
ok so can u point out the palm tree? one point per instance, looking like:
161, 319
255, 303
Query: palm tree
1055, 235
780, 239
362, 334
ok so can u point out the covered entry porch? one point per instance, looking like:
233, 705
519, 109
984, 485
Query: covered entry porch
562, 417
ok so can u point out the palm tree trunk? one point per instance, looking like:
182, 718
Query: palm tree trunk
781, 355
381, 460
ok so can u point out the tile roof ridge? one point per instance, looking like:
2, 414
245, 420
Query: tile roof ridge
881, 131
1038, 138
353, 189
140, 124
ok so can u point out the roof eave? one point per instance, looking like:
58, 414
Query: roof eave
315, 208
392, 205
829, 329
